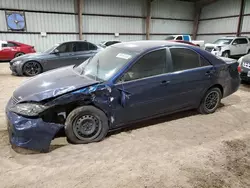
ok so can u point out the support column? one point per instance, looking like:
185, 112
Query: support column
148, 19
240, 20
80, 24
196, 21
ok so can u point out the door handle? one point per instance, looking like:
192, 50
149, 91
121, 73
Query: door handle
165, 82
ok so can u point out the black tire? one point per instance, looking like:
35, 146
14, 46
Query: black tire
19, 54
80, 120
226, 54
32, 68
208, 101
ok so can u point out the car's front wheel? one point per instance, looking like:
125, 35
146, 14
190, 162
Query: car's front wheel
86, 124
226, 54
210, 101
32, 68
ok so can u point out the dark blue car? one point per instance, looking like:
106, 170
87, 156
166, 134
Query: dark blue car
125, 83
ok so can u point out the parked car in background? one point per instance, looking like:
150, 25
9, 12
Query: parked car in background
110, 90
105, 44
186, 38
244, 68
229, 46
12, 49
185, 42
63, 54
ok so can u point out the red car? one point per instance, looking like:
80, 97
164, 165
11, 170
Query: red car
11, 49
185, 42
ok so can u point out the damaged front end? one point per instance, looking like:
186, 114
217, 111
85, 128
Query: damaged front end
33, 125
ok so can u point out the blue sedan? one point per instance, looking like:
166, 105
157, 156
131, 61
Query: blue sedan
125, 83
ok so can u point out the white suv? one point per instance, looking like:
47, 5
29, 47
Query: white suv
229, 46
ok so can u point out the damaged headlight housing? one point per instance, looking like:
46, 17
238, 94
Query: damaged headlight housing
218, 48
28, 109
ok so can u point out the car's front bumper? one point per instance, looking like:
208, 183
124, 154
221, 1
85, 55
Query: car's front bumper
30, 133
16, 69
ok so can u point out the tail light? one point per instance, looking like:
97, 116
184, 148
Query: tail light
239, 69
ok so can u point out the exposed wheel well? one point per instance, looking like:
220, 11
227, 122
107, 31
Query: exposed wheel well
218, 86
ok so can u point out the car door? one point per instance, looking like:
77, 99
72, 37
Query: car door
191, 76
143, 88
5, 52
84, 50
243, 46
235, 47
63, 55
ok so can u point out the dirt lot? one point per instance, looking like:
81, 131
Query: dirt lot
185, 150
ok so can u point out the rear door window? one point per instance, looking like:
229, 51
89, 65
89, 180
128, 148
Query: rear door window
82, 46
92, 46
10, 44
242, 41
184, 59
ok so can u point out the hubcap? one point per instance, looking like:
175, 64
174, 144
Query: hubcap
32, 68
212, 100
86, 127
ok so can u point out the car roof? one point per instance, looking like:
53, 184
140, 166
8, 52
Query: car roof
145, 45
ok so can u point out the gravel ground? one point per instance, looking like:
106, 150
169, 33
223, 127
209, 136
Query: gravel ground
185, 150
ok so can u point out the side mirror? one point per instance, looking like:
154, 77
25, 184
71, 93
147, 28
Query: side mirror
234, 43
56, 51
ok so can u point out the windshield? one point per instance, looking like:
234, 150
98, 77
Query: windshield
170, 38
105, 63
223, 41
51, 49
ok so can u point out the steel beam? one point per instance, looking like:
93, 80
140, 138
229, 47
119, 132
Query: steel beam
80, 20
148, 19
196, 21
240, 20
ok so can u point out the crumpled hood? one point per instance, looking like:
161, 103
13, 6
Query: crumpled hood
51, 84
29, 56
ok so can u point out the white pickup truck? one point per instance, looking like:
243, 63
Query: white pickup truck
186, 38
229, 46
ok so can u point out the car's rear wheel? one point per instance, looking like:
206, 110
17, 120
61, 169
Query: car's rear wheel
210, 101
86, 124
32, 68
19, 54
